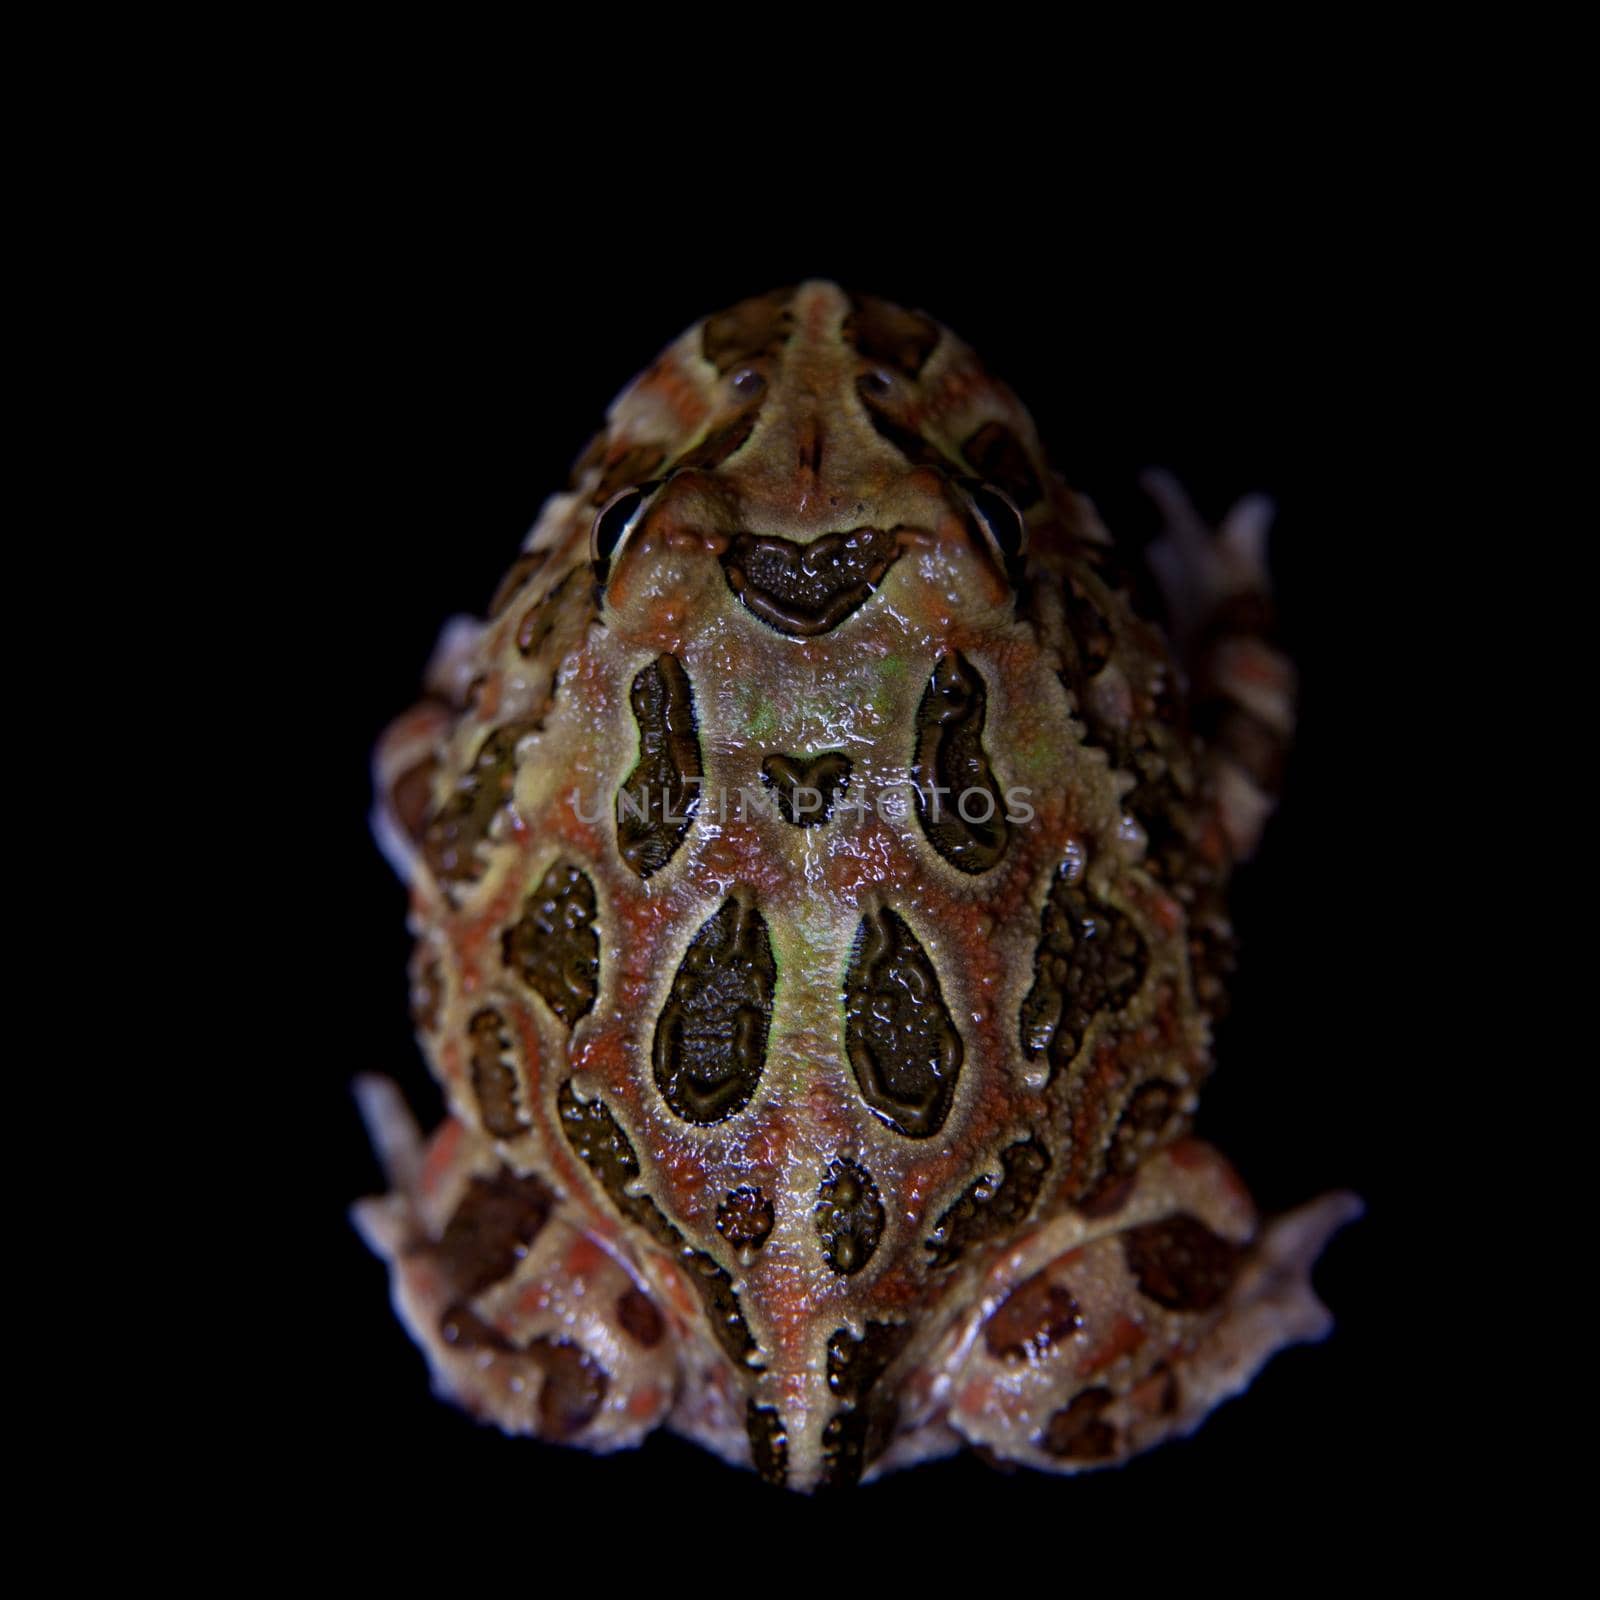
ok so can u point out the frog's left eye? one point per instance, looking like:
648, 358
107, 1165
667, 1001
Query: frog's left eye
616, 519
996, 514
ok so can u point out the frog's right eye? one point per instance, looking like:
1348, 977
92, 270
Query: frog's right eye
616, 519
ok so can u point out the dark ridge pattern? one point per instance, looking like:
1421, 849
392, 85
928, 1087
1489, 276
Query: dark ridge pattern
1090, 960
951, 773
523, 571
554, 946
998, 456
989, 1207
562, 608
657, 800
769, 1443
720, 443
827, 775
849, 1216
890, 336
856, 1364
753, 329
494, 1075
1152, 1117
711, 1037
866, 1418
450, 840
492, 1229
599, 1142
903, 1045
639, 463
808, 589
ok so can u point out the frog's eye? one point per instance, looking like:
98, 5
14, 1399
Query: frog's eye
996, 514
616, 519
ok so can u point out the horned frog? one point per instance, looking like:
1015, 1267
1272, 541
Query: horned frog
817, 869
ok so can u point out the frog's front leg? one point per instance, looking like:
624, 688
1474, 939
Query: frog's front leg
528, 1319
1113, 1328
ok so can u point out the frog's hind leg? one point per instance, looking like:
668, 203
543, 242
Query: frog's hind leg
1242, 687
1115, 1328
527, 1319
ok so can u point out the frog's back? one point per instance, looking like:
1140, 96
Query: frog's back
819, 897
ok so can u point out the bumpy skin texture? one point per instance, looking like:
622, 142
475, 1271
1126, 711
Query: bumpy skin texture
835, 1136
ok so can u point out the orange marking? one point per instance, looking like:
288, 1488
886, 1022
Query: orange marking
974, 1399
1124, 1338
441, 1155
584, 1256
644, 1402
669, 383
1190, 1155
534, 1299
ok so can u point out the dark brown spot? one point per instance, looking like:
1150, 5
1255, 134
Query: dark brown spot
638, 463
540, 622
553, 947
887, 335
853, 1439
1158, 1394
745, 1218
1091, 637
769, 1444
992, 1206
657, 801
462, 1328
640, 1319
752, 329
494, 1075
958, 802
903, 1046
999, 457
890, 418
849, 1216
807, 589
492, 1229
721, 442
1180, 1263
806, 786
855, 1365
711, 1037
523, 571
574, 1386
1077, 1432
1090, 960
599, 1142
1031, 1320
1152, 1117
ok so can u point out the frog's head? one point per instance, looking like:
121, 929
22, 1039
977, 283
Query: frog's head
807, 442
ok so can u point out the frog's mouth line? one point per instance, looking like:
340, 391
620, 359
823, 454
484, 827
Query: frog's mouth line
808, 589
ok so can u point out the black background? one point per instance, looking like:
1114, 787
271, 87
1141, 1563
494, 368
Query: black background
454, 370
